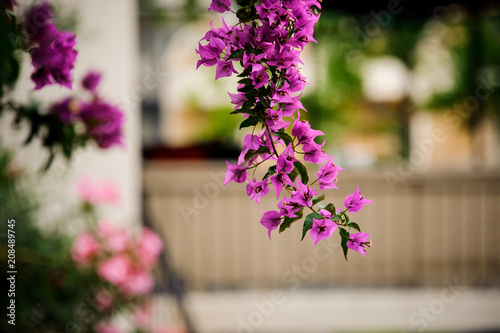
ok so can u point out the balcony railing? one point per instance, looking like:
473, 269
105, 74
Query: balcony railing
425, 229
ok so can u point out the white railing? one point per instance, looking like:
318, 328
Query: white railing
425, 229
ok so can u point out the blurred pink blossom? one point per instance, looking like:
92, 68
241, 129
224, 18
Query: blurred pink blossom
95, 192
118, 241
150, 247
138, 283
107, 328
105, 229
103, 300
84, 248
116, 269
142, 314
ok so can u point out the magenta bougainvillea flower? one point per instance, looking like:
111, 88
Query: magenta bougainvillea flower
303, 195
103, 122
52, 52
264, 49
91, 80
256, 189
304, 133
358, 242
354, 202
322, 229
66, 110
327, 175
279, 181
286, 159
271, 220
220, 6
235, 173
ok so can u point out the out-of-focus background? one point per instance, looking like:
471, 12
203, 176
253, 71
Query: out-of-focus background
407, 94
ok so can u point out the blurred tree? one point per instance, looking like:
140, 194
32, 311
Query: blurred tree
347, 40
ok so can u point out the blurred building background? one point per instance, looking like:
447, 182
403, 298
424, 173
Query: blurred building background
407, 94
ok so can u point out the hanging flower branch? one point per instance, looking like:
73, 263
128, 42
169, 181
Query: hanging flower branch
266, 43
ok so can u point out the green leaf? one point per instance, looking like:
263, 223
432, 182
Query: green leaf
248, 89
250, 121
336, 218
302, 171
346, 218
287, 221
49, 161
242, 110
293, 174
345, 237
280, 83
246, 72
250, 99
331, 208
354, 225
318, 199
252, 152
285, 137
245, 81
236, 54
309, 222
243, 3
270, 171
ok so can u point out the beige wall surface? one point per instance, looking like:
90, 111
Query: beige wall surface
425, 229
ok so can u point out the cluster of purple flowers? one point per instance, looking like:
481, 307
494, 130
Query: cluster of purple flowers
267, 44
52, 52
102, 121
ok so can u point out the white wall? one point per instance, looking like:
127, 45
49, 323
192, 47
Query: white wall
107, 41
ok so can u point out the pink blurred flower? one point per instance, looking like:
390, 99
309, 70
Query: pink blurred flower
97, 192
150, 247
116, 269
84, 248
105, 228
103, 300
118, 241
142, 314
107, 328
138, 283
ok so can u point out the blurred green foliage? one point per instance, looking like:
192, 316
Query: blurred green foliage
51, 294
336, 104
